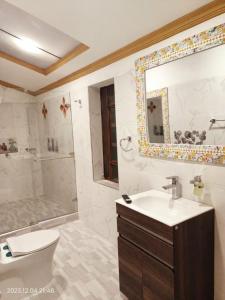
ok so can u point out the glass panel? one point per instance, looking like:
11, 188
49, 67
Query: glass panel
114, 152
113, 124
113, 116
155, 120
37, 163
113, 134
17, 190
115, 173
55, 158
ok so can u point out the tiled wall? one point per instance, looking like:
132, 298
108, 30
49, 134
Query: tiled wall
56, 125
136, 174
39, 185
58, 174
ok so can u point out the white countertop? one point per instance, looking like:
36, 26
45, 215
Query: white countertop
159, 206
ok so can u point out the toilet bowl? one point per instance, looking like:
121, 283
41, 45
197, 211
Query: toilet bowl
30, 266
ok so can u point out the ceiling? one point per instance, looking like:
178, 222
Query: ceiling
103, 25
28, 39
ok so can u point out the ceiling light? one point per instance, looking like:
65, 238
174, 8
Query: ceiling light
27, 45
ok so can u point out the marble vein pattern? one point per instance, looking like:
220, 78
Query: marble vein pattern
85, 267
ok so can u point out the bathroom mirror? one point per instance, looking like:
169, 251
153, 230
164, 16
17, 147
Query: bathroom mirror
181, 99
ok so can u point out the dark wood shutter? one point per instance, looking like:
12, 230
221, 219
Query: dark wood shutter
109, 133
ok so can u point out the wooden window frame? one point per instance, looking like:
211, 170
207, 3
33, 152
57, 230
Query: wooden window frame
106, 107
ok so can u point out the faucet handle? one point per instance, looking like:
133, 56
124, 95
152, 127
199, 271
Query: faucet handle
196, 179
174, 179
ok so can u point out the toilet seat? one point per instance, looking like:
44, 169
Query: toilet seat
31, 242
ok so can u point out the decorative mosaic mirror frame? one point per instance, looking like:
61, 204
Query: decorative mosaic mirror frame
202, 153
163, 93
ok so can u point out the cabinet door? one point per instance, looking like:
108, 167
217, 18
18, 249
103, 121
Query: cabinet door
158, 280
130, 271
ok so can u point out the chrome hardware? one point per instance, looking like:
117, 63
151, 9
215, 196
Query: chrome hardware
30, 150
196, 180
175, 186
129, 141
79, 102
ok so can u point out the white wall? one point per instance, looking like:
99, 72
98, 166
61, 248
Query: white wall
136, 174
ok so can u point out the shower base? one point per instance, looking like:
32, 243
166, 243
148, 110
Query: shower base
41, 225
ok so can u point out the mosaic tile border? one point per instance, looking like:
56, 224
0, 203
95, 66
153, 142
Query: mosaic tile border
203, 153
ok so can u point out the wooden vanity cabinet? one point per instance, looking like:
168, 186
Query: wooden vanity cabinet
159, 262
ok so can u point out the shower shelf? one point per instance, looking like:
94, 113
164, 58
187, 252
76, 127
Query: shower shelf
20, 156
39, 157
52, 157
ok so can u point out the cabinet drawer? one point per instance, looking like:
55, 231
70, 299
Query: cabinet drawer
130, 272
158, 280
156, 228
149, 243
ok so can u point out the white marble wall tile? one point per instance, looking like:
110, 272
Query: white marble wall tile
56, 125
16, 180
12, 96
59, 181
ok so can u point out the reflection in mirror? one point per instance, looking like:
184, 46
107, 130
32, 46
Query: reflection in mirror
157, 116
196, 89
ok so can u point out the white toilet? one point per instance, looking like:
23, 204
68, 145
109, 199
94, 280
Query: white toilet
30, 266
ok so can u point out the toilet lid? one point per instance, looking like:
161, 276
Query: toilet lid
32, 241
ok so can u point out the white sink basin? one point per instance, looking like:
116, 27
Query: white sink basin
159, 206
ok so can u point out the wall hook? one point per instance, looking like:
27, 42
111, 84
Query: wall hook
78, 101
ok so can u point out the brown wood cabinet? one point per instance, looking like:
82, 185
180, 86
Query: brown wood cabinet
159, 262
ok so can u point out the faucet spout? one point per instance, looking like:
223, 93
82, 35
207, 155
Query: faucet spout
167, 187
175, 186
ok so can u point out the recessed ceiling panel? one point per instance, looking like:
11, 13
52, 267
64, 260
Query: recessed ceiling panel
15, 47
30, 39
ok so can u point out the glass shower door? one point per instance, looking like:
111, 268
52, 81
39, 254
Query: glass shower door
17, 198
56, 185
37, 165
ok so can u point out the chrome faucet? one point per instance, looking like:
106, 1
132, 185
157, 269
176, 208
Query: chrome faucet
175, 186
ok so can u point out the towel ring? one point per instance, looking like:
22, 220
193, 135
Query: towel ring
129, 140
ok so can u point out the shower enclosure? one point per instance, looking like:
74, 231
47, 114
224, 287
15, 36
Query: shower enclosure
37, 165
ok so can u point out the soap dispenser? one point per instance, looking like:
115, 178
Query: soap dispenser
198, 187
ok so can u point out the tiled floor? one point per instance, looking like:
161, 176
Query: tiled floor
22, 213
85, 267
